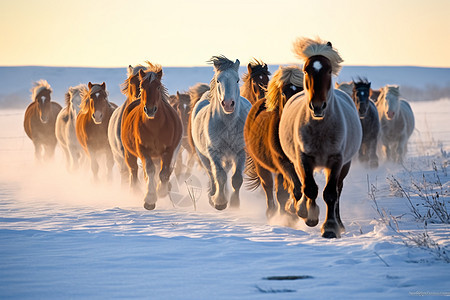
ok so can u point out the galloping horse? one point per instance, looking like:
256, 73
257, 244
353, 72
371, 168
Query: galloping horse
368, 115
320, 128
65, 127
92, 126
131, 89
255, 81
40, 118
217, 131
263, 143
151, 129
397, 122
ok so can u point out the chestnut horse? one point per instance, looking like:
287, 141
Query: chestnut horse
151, 129
320, 128
263, 143
131, 89
255, 81
92, 126
39, 121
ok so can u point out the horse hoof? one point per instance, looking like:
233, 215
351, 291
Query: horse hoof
149, 206
329, 235
311, 223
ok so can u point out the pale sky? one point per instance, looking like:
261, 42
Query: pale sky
109, 33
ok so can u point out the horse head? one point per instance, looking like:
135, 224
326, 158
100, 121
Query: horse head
361, 92
317, 77
259, 76
74, 98
225, 83
98, 101
391, 95
183, 107
131, 86
41, 94
151, 93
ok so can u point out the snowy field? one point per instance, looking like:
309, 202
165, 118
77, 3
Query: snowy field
62, 237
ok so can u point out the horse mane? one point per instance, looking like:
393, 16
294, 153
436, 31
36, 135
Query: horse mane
394, 90
361, 82
131, 71
221, 63
196, 92
346, 87
258, 68
304, 48
73, 90
150, 74
281, 77
38, 87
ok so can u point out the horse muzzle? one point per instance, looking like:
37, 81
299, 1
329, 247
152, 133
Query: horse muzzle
390, 115
97, 117
228, 106
318, 111
44, 119
150, 112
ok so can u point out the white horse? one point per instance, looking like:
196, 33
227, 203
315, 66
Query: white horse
65, 128
320, 128
131, 89
397, 122
217, 131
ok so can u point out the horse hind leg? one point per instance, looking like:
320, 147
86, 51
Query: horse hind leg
237, 178
266, 179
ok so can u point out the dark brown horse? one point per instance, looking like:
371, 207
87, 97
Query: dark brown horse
263, 143
255, 81
151, 129
92, 126
40, 118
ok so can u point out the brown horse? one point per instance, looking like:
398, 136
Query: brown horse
40, 118
255, 81
263, 143
92, 126
151, 129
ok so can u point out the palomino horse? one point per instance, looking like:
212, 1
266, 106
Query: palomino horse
217, 131
40, 118
92, 126
397, 122
263, 142
151, 129
131, 89
255, 81
368, 115
320, 128
65, 127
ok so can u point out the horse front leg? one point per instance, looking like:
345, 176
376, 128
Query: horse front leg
109, 164
167, 160
94, 164
237, 179
266, 180
373, 157
218, 199
131, 162
331, 227
151, 195
307, 207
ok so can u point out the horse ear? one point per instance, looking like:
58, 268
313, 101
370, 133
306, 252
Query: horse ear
90, 85
265, 67
236, 65
141, 74
159, 75
249, 68
178, 94
103, 85
329, 44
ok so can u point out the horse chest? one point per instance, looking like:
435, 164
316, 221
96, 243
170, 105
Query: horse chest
316, 139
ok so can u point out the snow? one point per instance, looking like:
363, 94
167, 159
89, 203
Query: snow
61, 236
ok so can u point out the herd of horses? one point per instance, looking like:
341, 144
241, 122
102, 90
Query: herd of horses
277, 131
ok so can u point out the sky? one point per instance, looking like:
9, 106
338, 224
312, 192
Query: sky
110, 33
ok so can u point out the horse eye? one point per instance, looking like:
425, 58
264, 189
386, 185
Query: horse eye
217, 80
237, 81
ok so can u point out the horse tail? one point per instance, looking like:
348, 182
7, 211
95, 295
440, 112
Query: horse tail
252, 181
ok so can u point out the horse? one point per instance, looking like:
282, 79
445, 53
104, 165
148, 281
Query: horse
65, 127
131, 89
263, 144
370, 124
397, 123
39, 120
374, 94
255, 81
217, 131
320, 128
92, 126
151, 129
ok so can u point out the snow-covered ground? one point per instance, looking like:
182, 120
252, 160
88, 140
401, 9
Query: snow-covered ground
61, 236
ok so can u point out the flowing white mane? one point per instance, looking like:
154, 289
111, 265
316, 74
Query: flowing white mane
304, 48
393, 90
38, 87
281, 77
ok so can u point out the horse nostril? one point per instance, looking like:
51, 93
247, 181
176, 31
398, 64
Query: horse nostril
223, 102
145, 109
232, 103
324, 105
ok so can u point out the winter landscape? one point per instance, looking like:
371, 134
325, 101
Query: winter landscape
64, 237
